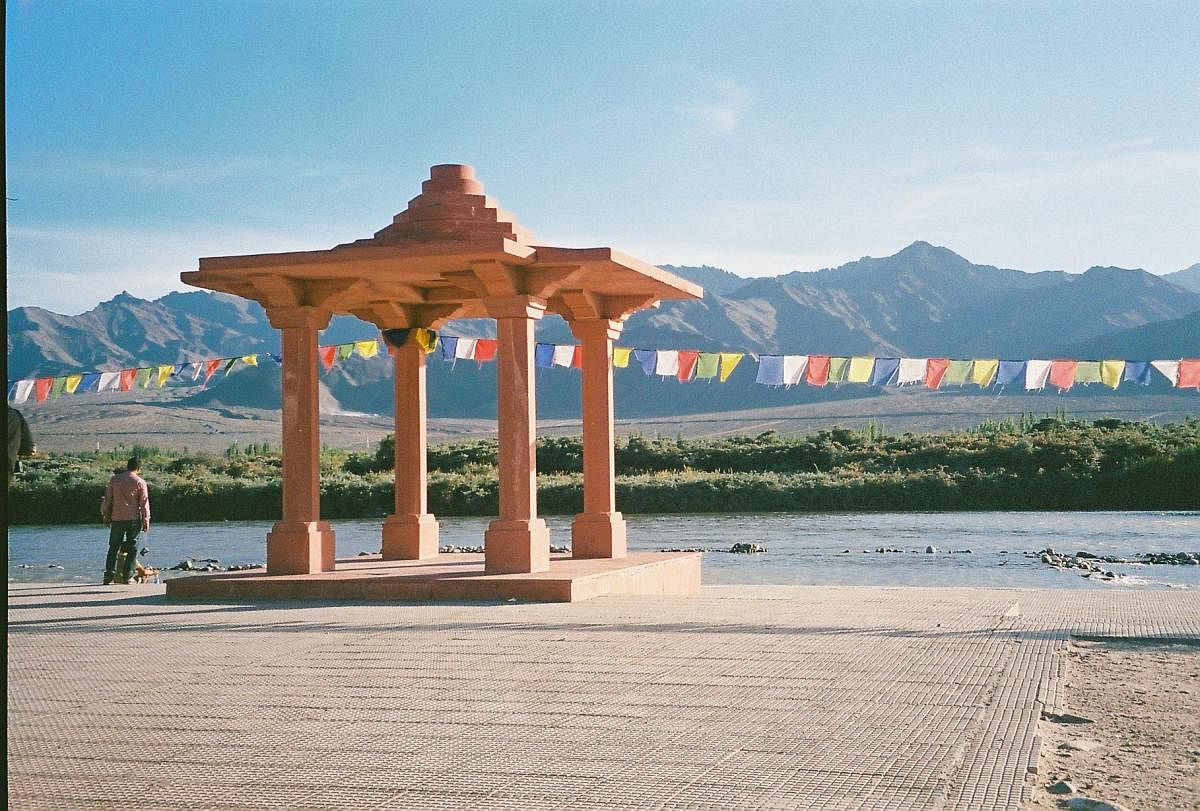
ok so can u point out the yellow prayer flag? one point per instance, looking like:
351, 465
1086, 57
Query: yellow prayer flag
729, 362
250, 360
72, 383
163, 373
1111, 372
367, 349
860, 370
427, 339
621, 356
984, 372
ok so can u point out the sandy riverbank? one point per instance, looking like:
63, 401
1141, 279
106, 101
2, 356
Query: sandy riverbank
1142, 749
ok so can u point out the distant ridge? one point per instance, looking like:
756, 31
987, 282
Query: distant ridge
1177, 338
1188, 278
923, 301
715, 281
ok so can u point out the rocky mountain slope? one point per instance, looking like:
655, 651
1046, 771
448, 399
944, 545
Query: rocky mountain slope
923, 301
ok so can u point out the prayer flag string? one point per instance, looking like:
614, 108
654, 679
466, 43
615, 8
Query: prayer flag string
682, 365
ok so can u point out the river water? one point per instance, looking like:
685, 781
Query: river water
824, 548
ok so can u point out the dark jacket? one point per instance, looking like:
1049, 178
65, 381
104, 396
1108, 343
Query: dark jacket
20, 440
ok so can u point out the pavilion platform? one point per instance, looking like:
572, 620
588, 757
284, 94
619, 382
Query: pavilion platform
455, 577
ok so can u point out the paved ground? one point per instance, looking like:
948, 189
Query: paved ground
743, 697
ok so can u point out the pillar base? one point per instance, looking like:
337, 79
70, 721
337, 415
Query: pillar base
410, 537
516, 546
300, 547
598, 535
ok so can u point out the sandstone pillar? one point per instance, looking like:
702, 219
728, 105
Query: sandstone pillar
598, 531
518, 540
410, 533
300, 543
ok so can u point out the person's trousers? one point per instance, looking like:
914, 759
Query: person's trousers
122, 537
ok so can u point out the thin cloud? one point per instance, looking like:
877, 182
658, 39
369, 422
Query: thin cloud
1076, 174
69, 267
171, 171
721, 108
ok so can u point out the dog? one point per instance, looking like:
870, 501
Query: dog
144, 574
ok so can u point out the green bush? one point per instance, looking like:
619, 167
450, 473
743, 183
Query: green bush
1052, 463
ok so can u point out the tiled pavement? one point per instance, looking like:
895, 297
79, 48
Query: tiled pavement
742, 697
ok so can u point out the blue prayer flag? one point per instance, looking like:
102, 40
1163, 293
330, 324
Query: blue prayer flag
1010, 371
449, 344
90, 382
1138, 371
885, 371
770, 370
543, 356
648, 358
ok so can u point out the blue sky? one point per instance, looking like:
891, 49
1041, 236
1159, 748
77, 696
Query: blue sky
759, 137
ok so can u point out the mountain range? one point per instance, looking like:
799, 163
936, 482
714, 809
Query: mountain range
923, 301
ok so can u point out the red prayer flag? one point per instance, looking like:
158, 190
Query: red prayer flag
1062, 374
1189, 374
41, 388
210, 369
577, 357
935, 370
128, 378
485, 349
687, 364
327, 354
817, 373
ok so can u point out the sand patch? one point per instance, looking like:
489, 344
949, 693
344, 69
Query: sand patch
1142, 747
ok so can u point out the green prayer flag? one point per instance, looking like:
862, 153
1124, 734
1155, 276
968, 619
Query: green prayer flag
1088, 371
957, 373
143, 377
707, 364
837, 369
56, 388
345, 351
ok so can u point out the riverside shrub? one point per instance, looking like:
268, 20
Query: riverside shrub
1051, 464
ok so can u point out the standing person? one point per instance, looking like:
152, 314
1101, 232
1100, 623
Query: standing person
20, 441
126, 511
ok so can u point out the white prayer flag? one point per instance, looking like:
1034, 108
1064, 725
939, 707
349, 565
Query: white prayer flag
1168, 368
1037, 372
21, 393
793, 369
465, 349
912, 370
563, 355
667, 362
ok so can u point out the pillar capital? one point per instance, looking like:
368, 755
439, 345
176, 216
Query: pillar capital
596, 329
521, 306
315, 318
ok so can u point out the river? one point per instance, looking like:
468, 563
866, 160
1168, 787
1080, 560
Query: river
973, 549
